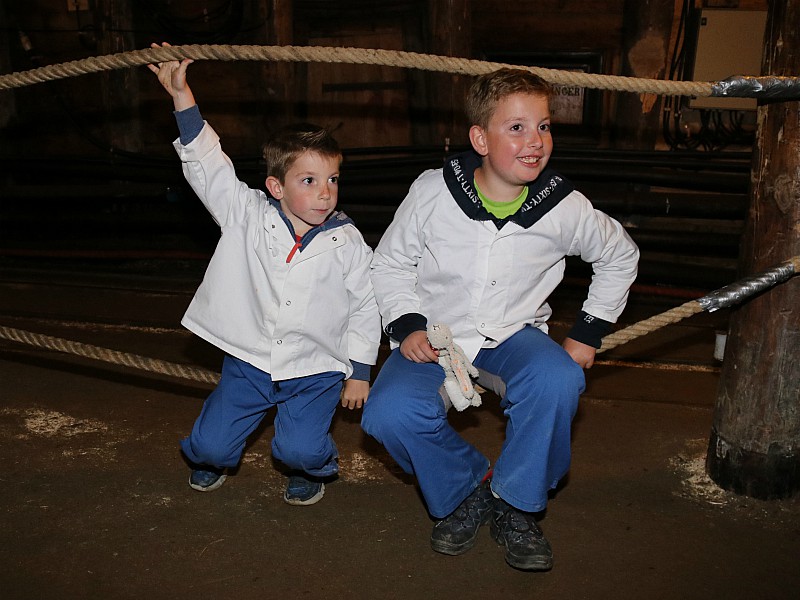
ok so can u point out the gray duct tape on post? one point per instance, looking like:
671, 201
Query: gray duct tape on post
744, 288
776, 88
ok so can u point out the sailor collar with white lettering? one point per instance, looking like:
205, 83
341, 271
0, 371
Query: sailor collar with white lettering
544, 193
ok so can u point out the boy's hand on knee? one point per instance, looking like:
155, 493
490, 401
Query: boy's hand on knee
418, 349
354, 393
581, 353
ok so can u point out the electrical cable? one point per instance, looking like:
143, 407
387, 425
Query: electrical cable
718, 128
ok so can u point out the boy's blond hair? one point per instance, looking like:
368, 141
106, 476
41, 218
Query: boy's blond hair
288, 143
488, 89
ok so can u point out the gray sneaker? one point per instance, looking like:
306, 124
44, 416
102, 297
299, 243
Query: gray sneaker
525, 544
206, 478
456, 533
303, 490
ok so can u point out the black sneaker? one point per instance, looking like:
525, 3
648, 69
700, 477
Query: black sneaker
456, 533
525, 544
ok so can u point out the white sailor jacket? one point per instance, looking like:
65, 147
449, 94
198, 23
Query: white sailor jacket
313, 314
445, 258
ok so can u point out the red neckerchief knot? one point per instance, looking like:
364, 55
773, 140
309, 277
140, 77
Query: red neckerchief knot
295, 248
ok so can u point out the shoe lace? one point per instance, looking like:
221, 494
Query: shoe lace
520, 526
299, 485
469, 510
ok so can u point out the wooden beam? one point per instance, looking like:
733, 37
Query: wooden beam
755, 439
281, 80
8, 108
120, 87
647, 30
450, 24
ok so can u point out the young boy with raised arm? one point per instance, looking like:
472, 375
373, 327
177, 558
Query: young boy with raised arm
479, 246
287, 296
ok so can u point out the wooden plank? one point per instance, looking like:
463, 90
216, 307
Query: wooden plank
518, 30
341, 96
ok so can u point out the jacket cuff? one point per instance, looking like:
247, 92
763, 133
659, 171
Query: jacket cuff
589, 330
361, 371
401, 328
190, 122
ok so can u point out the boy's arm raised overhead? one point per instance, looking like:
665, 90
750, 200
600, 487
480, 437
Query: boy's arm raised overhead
207, 169
172, 75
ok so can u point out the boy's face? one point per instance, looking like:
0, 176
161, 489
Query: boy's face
309, 191
515, 145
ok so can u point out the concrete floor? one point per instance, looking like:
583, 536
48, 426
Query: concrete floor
95, 501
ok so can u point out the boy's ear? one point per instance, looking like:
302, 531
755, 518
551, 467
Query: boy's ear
477, 138
274, 187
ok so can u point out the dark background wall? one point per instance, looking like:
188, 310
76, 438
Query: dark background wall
371, 105
93, 152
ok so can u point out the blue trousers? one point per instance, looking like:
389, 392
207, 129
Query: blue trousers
406, 414
305, 408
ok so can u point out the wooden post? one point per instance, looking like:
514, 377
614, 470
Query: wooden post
755, 439
450, 34
120, 86
645, 36
8, 107
280, 77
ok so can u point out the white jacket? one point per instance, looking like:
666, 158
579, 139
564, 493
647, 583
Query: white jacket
312, 315
485, 283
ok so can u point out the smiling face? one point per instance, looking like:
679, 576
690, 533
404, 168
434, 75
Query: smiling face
309, 191
515, 145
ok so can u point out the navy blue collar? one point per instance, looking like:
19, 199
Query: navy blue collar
336, 219
544, 193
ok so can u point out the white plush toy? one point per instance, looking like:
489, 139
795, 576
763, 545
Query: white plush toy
460, 392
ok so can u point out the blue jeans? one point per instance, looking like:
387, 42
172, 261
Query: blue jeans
406, 414
305, 408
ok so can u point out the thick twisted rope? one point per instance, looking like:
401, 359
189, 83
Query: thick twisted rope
726, 296
135, 361
721, 298
364, 56
623, 336
718, 299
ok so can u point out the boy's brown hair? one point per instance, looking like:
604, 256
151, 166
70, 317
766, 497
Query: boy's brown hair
291, 141
488, 89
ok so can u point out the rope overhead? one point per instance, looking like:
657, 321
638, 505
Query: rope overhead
767, 87
363, 56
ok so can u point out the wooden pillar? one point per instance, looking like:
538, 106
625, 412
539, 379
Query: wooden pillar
120, 87
8, 107
646, 31
755, 439
450, 32
280, 76
419, 106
